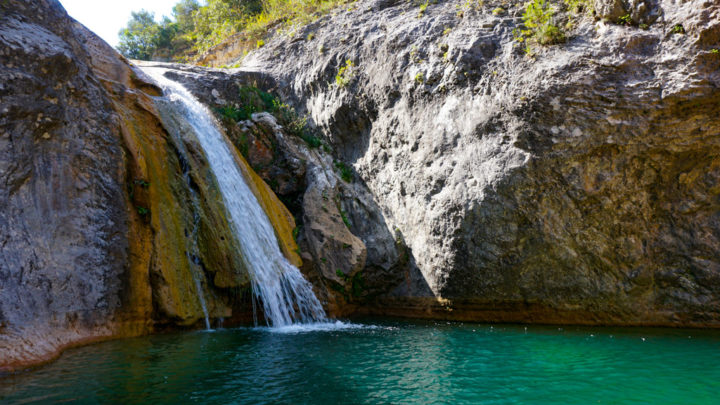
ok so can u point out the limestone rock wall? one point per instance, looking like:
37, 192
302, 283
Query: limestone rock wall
578, 185
348, 252
108, 210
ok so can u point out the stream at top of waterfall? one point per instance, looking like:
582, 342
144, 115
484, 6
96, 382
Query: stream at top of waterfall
386, 361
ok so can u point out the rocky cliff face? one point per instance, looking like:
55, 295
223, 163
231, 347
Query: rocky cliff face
108, 211
348, 251
460, 178
578, 185
63, 236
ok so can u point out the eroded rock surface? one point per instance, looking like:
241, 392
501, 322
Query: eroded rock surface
460, 179
349, 252
62, 231
111, 223
580, 185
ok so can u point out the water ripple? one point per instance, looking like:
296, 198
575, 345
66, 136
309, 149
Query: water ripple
387, 362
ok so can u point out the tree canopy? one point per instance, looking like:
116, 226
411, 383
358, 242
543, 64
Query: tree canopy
195, 27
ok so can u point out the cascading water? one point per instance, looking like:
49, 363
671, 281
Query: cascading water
192, 257
285, 295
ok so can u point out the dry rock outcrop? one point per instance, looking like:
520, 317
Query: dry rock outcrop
577, 185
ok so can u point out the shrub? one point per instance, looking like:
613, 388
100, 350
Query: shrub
423, 7
538, 19
678, 29
294, 124
142, 183
467, 6
250, 100
345, 219
358, 285
346, 172
345, 74
580, 6
253, 100
232, 113
198, 26
539, 26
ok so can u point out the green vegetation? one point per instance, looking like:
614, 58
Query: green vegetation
345, 74
419, 78
137, 182
467, 6
346, 172
542, 17
423, 7
252, 100
357, 283
143, 37
539, 26
142, 211
678, 29
579, 6
498, 11
715, 51
195, 26
345, 219
142, 183
625, 20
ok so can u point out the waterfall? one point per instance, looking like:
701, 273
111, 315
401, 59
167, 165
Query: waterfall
192, 248
278, 286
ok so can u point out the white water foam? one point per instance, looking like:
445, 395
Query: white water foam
317, 327
286, 297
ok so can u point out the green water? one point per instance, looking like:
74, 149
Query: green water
392, 362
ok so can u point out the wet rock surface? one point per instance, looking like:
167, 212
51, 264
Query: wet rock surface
348, 251
459, 178
106, 214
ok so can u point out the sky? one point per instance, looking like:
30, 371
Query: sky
106, 18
